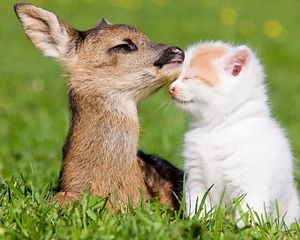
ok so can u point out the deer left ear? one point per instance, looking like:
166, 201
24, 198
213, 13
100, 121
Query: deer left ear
238, 61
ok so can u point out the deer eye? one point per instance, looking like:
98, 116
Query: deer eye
124, 48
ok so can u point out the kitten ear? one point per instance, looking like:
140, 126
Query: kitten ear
238, 61
45, 30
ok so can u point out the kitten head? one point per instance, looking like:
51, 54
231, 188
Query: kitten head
215, 75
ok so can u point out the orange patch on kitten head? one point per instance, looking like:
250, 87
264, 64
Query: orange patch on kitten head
201, 63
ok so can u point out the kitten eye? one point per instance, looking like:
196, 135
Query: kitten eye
124, 48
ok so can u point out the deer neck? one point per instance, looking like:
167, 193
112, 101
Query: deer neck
102, 141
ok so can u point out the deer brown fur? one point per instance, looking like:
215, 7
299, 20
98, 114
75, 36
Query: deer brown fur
110, 69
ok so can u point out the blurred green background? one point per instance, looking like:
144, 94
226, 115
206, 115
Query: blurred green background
33, 102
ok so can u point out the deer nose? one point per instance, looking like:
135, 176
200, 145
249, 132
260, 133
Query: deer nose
170, 55
178, 51
178, 54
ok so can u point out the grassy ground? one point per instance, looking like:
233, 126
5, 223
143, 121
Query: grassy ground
34, 116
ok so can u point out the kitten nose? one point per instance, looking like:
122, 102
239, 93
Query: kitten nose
172, 89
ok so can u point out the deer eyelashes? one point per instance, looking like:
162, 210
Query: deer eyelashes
124, 47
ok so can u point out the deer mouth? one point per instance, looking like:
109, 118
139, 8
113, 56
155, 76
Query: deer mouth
171, 55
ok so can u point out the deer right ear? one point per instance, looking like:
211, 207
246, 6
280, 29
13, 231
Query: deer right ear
45, 30
102, 22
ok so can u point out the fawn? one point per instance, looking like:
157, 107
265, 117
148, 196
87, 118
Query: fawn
110, 69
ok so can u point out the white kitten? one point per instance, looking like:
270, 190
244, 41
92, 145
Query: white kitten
233, 140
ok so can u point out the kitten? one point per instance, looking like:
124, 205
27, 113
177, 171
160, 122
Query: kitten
233, 141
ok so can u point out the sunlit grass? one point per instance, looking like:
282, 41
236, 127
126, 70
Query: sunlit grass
26, 213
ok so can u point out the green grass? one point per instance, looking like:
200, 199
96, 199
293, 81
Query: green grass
34, 115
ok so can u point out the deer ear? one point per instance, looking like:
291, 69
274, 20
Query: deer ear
238, 61
102, 22
45, 30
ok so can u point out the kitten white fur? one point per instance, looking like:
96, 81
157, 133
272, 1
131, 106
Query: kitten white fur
233, 141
